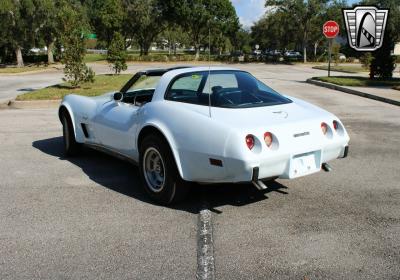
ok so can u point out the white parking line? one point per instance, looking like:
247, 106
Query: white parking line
205, 246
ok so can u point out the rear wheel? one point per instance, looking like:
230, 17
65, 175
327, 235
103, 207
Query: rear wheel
71, 147
159, 173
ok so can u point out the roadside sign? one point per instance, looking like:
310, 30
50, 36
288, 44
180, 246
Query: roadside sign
91, 36
330, 29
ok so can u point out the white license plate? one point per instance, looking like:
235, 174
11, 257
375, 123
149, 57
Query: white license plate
304, 164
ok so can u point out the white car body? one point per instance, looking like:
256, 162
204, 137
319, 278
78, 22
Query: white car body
208, 143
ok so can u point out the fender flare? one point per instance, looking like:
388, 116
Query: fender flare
168, 137
67, 107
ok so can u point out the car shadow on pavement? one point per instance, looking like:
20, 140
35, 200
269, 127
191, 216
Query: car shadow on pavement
123, 177
238, 194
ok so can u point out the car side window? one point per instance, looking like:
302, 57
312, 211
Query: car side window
223, 80
185, 88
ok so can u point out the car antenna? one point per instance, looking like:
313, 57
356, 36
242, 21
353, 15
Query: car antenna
209, 69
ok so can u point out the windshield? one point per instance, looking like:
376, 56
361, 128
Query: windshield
227, 89
145, 82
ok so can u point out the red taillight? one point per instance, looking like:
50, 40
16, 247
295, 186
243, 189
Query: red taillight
250, 141
268, 139
335, 125
324, 128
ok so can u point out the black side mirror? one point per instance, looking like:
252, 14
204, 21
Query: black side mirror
118, 96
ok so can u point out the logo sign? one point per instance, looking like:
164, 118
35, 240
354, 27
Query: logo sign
330, 29
365, 27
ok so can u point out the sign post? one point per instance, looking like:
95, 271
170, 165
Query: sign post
330, 30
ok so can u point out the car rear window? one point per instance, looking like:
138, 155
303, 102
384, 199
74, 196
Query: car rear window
228, 89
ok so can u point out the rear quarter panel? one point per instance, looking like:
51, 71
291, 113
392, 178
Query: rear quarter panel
193, 136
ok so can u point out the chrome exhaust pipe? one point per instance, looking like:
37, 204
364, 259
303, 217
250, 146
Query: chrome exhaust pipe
259, 185
326, 167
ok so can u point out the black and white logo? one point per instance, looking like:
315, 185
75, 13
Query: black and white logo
365, 27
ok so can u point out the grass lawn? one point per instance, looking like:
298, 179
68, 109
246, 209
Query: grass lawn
359, 81
13, 70
343, 68
93, 57
102, 84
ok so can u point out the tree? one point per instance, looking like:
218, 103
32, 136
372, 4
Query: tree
46, 12
75, 70
296, 24
18, 25
174, 37
383, 62
107, 17
116, 54
145, 22
73, 29
201, 17
273, 31
302, 15
241, 40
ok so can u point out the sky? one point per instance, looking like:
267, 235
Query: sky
250, 11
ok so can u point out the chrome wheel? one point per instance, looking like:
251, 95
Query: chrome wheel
154, 169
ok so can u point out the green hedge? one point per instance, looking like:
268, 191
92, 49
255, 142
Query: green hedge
167, 58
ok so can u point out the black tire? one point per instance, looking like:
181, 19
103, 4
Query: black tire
173, 188
71, 147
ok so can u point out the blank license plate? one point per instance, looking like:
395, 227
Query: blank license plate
304, 164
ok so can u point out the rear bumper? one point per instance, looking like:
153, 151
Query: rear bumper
279, 166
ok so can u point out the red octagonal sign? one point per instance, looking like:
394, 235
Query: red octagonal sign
330, 29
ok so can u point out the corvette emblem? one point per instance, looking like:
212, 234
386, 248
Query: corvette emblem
365, 27
285, 114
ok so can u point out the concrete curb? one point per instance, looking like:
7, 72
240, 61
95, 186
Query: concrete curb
354, 92
52, 69
32, 104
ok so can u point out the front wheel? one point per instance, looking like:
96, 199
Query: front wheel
71, 147
159, 173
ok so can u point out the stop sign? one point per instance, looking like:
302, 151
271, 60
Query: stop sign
330, 29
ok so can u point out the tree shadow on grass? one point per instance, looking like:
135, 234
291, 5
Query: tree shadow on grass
123, 177
63, 86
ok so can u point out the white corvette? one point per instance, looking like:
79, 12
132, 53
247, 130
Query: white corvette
206, 125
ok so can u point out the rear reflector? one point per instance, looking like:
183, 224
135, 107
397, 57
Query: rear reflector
250, 141
335, 125
268, 139
324, 128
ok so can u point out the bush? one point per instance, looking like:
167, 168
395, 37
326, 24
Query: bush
383, 62
335, 53
116, 54
351, 59
177, 57
366, 59
75, 70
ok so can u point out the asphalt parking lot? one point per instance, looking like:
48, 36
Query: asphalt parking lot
87, 217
